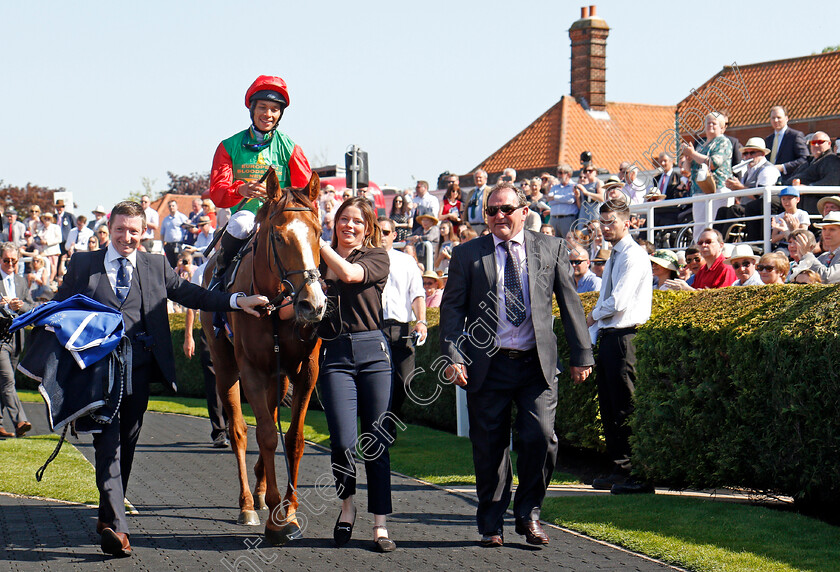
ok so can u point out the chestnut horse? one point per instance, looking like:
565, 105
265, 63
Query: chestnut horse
267, 352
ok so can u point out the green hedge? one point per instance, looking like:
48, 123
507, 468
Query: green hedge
739, 387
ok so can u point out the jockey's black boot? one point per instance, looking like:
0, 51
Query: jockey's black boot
230, 246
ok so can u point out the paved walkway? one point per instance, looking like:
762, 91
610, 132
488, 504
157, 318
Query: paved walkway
185, 495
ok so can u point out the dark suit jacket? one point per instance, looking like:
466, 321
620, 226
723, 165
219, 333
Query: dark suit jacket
22, 292
736, 149
792, 151
671, 191
824, 171
67, 222
157, 283
469, 312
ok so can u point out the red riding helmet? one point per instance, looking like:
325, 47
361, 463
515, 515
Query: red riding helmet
269, 86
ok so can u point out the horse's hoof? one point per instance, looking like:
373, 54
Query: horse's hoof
276, 537
259, 502
248, 518
292, 531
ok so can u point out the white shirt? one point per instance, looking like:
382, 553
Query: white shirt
801, 217
754, 280
9, 284
427, 204
635, 191
626, 287
509, 336
78, 239
151, 217
112, 266
405, 283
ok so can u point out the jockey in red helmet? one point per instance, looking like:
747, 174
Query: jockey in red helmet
241, 160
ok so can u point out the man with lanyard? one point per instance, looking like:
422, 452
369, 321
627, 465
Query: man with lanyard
241, 160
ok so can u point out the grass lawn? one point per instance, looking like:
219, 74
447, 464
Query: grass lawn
69, 477
698, 534
702, 534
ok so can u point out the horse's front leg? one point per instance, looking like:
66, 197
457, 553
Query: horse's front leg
257, 386
303, 383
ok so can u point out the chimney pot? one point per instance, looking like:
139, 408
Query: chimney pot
592, 11
584, 12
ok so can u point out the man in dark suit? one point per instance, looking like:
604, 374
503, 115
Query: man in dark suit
787, 146
668, 186
137, 284
65, 221
14, 297
496, 333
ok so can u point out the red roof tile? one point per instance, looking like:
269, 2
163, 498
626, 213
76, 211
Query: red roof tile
808, 87
559, 135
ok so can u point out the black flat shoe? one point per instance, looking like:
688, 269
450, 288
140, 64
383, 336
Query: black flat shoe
383, 543
343, 530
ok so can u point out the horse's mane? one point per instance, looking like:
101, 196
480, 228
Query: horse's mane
283, 199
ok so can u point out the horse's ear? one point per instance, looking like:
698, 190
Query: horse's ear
314, 187
272, 185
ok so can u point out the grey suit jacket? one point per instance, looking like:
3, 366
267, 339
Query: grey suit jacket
21, 292
469, 310
157, 283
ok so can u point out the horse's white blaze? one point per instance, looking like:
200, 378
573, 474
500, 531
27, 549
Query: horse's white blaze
300, 232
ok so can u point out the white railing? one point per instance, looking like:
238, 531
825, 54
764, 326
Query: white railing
765, 194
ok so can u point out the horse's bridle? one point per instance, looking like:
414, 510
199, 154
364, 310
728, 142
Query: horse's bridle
287, 289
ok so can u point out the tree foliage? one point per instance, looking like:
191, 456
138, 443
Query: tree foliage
23, 197
830, 49
192, 184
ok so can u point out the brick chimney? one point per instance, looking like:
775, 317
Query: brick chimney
589, 59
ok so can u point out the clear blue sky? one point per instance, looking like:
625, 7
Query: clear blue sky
97, 95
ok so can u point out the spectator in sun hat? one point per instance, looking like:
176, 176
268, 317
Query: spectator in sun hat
828, 264
600, 261
743, 261
828, 204
99, 218
431, 284
664, 265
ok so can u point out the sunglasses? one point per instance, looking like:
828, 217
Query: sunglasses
765, 268
599, 262
818, 142
744, 264
589, 170
493, 210
751, 153
693, 259
386, 233
576, 262
10, 260
704, 242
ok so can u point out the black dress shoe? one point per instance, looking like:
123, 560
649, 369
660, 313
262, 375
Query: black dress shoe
383, 543
532, 530
343, 530
115, 543
606, 483
492, 540
632, 487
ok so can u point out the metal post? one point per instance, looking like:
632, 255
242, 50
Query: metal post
355, 174
766, 195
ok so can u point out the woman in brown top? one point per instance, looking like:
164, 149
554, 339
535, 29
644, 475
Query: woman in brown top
355, 372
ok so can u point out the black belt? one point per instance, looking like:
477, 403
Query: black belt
620, 331
518, 354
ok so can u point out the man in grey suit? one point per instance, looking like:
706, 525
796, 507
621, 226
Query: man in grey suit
14, 230
137, 284
14, 297
496, 333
